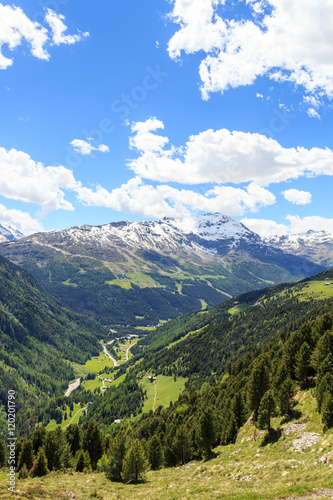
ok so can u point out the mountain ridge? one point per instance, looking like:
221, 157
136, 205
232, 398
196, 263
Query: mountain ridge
123, 271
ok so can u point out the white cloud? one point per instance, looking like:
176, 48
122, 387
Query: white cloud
16, 27
297, 197
22, 221
295, 225
86, 148
58, 28
143, 199
286, 41
24, 179
265, 228
222, 156
314, 222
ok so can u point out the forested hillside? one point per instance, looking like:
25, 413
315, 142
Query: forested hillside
271, 367
38, 339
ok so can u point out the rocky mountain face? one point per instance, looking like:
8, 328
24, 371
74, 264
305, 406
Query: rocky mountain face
316, 246
140, 272
9, 234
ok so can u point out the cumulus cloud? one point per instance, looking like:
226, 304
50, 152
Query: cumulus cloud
22, 221
283, 40
295, 225
265, 228
163, 200
304, 224
86, 148
16, 27
222, 156
24, 179
297, 197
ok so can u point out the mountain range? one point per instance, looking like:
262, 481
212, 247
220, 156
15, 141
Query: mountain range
138, 273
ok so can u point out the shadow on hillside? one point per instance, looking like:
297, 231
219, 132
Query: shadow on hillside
211, 456
271, 437
294, 415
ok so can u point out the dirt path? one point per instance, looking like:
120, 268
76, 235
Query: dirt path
72, 387
155, 395
81, 409
126, 359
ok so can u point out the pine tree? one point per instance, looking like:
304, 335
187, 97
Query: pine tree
3, 453
258, 384
229, 428
116, 455
266, 410
206, 431
285, 393
327, 411
82, 461
135, 463
92, 442
73, 437
303, 362
38, 439
155, 452
26, 456
40, 465
182, 445
67, 459
325, 387
53, 448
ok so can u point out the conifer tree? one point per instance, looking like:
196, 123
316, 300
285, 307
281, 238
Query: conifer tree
229, 428
82, 461
38, 439
26, 455
92, 442
155, 452
258, 384
206, 431
327, 410
266, 410
325, 387
3, 453
73, 437
135, 463
116, 455
285, 393
303, 362
40, 465
182, 445
67, 459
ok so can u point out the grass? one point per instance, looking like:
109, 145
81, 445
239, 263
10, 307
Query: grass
166, 389
316, 290
145, 328
127, 285
238, 308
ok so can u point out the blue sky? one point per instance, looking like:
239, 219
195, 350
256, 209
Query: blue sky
143, 109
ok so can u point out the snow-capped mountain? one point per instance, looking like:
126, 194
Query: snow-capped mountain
9, 234
316, 246
154, 269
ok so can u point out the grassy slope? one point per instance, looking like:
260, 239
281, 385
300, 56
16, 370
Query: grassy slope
247, 470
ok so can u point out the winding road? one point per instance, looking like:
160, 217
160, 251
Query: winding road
106, 352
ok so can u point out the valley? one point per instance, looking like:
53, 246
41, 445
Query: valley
224, 394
